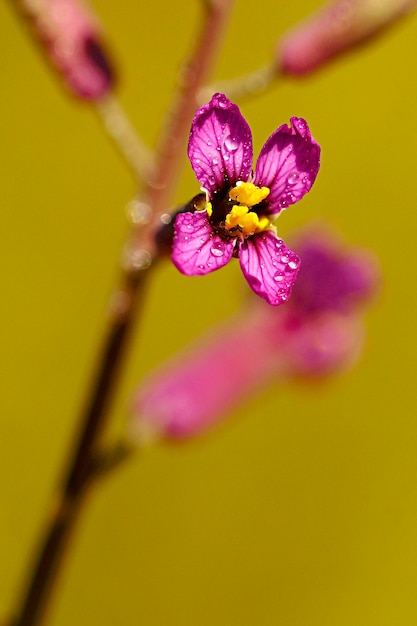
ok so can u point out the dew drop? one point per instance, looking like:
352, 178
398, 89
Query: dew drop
185, 226
292, 178
138, 212
285, 258
278, 277
217, 249
214, 161
231, 143
292, 265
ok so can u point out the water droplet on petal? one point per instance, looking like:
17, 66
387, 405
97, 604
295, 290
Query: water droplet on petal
217, 248
214, 161
292, 265
185, 225
292, 178
231, 143
285, 258
278, 277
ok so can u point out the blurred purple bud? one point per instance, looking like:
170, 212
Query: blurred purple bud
331, 277
334, 30
70, 36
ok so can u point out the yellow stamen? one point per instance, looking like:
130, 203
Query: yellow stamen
248, 193
233, 218
249, 223
209, 209
264, 224
245, 221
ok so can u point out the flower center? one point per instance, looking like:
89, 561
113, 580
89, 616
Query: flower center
241, 221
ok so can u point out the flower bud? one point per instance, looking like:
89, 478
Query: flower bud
70, 37
335, 29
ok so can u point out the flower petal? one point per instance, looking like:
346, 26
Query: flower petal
269, 266
288, 164
196, 248
220, 145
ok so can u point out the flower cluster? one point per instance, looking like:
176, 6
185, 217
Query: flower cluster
239, 206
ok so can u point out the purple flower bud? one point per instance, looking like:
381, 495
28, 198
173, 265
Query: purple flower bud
334, 30
70, 36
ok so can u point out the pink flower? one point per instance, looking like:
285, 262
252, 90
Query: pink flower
319, 332
236, 216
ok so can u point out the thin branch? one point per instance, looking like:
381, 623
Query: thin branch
249, 85
118, 125
75, 483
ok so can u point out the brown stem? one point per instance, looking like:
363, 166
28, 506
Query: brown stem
42, 576
76, 481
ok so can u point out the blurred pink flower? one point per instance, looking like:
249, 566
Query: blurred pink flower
335, 29
236, 219
70, 36
318, 332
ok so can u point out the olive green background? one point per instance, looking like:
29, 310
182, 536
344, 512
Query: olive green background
302, 509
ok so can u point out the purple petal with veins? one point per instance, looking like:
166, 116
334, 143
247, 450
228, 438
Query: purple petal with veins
220, 145
269, 266
288, 165
196, 248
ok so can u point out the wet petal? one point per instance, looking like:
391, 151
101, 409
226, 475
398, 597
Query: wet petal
288, 164
196, 248
269, 266
220, 144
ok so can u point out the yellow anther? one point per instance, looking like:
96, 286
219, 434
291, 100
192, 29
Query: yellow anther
209, 209
234, 217
249, 223
264, 224
248, 193
245, 222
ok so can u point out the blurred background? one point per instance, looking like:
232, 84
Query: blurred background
300, 510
